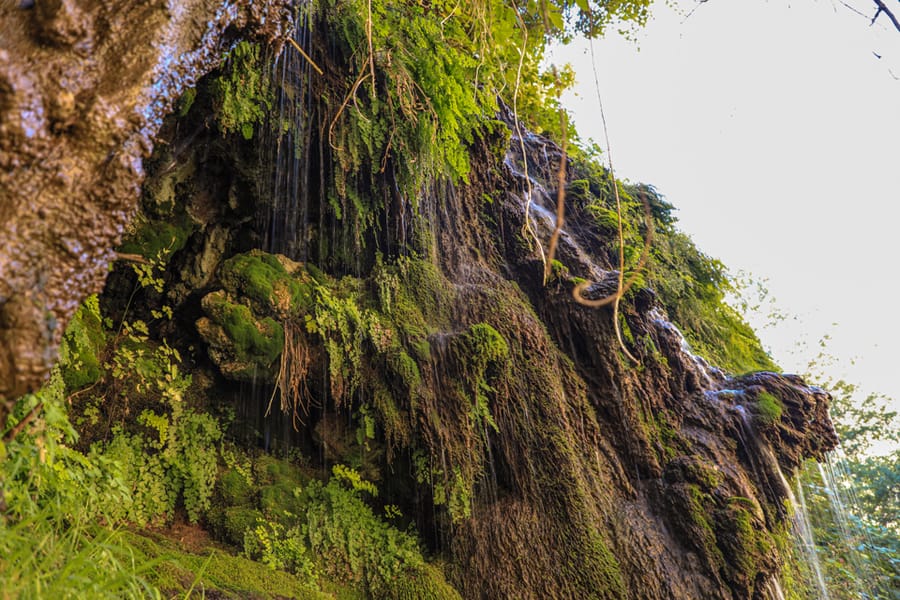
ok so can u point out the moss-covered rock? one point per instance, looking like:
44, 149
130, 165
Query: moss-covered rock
243, 346
234, 489
746, 545
273, 284
237, 521
767, 409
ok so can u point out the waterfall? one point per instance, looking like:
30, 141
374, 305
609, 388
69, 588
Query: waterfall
285, 138
767, 468
850, 538
806, 541
283, 192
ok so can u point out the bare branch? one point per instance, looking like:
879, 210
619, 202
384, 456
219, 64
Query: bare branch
21, 425
884, 9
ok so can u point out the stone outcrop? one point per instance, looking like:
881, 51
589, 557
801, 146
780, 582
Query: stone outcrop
84, 87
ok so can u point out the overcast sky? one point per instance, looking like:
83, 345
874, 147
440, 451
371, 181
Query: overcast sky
774, 129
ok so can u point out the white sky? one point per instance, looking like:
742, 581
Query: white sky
774, 130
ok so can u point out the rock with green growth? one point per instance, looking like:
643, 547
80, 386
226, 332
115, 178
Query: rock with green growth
79, 353
242, 95
273, 284
244, 346
767, 409
234, 489
236, 521
746, 545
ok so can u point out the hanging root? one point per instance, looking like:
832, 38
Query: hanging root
578, 292
305, 56
560, 194
290, 384
526, 227
350, 96
623, 286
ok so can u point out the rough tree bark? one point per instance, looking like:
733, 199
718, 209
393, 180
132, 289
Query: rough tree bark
84, 86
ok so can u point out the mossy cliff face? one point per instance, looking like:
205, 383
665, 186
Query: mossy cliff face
407, 330
495, 411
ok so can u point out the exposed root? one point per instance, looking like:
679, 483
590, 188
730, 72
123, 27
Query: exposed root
290, 384
306, 56
578, 292
350, 95
560, 197
526, 227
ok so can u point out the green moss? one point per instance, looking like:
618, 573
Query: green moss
236, 521
767, 408
153, 239
255, 341
263, 279
79, 354
426, 583
215, 572
280, 498
700, 506
186, 101
485, 345
272, 471
234, 489
580, 190
403, 365
745, 544
241, 94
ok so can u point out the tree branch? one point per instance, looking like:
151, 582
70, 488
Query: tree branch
12, 433
884, 9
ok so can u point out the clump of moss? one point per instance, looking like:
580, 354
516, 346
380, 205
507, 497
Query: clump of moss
157, 239
242, 345
484, 346
83, 341
265, 280
693, 470
745, 544
767, 409
235, 489
700, 505
241, 94
255, 341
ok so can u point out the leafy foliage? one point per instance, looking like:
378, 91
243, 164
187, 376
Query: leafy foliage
242, 93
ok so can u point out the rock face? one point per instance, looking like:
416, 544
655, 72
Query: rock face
84, 87
546, 463
422, 343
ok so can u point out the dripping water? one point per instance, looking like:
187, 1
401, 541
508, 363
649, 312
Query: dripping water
284, 141
854, 539
283, 189
767, 468
807, 542
773, 590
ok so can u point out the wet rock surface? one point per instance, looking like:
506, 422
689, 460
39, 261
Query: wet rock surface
84, 87
564, 470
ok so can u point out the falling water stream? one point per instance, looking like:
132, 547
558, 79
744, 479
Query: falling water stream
806, 542
283, 187
841, 512
284, 143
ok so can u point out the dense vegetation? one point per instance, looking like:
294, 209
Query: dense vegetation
123, 452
